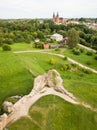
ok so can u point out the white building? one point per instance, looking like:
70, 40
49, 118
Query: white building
37, 40
57, 37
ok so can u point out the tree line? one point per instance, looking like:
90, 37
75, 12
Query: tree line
27, 30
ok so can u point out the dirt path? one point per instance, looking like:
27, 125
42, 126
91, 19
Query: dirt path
73, 61
87, 48
60, 55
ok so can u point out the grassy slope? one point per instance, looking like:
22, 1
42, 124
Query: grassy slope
52, 113
39, 63
84, 86
14, 78
65, 116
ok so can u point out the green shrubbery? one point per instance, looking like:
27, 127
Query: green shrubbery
57, 49
95, 57
74, 65
65, 58
86, 71
52, 61
39, 45
77, 51
81, 50
89, 53
6, 47
88, 62
66, 67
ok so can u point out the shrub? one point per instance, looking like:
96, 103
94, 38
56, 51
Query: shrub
88, 62
66, 67
74, 65
77, 47
73, 50
95, 57
76, 51
81, 50
52, 61
57, 49
6, 47
39, 45
62, 68
82, 41
89, 53
65, 58
94, 47
86, 71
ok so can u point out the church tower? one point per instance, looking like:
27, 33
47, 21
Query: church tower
57, 18
57, 15
53, 17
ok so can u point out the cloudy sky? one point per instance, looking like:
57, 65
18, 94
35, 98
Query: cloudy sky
45, 8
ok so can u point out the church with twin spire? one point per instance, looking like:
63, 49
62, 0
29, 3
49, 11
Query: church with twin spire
57, 19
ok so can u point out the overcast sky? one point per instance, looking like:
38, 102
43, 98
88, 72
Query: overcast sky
45, 8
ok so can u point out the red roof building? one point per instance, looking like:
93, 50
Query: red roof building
45, 46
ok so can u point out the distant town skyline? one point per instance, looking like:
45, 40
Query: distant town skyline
45, 8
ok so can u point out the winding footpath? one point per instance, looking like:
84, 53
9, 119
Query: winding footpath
60, 55
87, 48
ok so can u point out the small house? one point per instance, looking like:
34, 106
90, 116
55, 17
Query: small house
37, 40
57, 37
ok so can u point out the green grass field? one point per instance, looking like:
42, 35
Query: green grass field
84, 86
53, 113
50, 112
83, 58
39, 63
21, 46
14, 78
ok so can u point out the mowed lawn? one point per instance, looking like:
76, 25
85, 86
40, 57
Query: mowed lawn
14, 78
53, 113
22, 46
